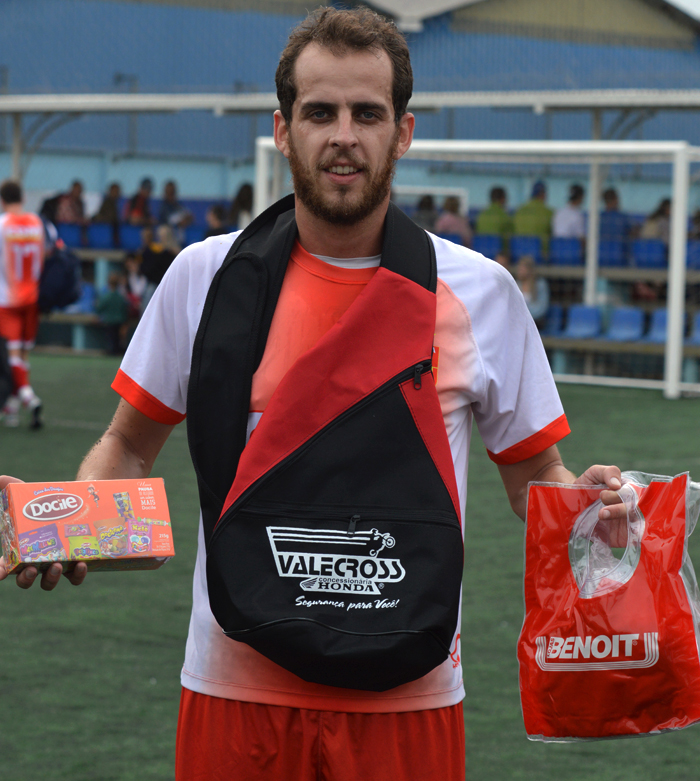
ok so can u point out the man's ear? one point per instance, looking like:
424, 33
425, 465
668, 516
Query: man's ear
407, 124
281, 133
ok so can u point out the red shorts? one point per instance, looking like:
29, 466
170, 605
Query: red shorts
228, 740
19, 325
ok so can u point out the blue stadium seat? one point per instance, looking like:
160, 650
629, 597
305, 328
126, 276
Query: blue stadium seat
100, 235
612, 253
626, 325
526, 245
566, 252
649, 253
583, 322
657, 330
455, 238
554, 324
130, 236
489, 246
86, 303
692, 258
193, 234
694, 337
71, 234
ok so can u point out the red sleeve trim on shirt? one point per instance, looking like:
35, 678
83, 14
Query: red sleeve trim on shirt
144, 402
533, 445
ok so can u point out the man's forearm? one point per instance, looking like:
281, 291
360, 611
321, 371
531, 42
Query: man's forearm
127, 449
545, 467
110, 459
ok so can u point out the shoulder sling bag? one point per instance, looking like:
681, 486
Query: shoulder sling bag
334, 544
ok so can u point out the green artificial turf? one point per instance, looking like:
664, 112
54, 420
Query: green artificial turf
89, 676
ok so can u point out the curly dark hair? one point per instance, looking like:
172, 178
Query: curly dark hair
339, 31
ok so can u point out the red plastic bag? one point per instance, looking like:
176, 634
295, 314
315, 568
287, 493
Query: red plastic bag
609, 645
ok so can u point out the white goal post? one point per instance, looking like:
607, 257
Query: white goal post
270, 185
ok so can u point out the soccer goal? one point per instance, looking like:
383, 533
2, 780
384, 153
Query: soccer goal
583, 360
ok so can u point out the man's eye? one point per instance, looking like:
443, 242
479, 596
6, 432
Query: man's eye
319, 114
368, 115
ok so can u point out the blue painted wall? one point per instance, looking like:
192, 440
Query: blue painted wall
79, 46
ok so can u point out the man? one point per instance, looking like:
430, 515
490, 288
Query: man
534, 218
71, 209
569, 221
494, 220
21, 261
137, 210
615, 225
172, 212
344, 81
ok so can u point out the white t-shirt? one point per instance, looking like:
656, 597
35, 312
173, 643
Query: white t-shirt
569, 223
489, 366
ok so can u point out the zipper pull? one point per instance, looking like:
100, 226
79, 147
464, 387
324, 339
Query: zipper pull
417, 380
353, 523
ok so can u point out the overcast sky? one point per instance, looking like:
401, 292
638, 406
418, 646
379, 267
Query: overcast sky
691, 7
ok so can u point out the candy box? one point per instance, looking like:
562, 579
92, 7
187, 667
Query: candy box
109, 524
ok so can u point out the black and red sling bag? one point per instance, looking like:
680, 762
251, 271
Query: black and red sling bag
334, 545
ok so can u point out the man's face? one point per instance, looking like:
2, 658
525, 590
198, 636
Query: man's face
342, 142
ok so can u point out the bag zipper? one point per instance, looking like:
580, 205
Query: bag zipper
416, 372
321, 512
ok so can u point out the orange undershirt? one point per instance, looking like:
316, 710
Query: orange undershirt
314, 296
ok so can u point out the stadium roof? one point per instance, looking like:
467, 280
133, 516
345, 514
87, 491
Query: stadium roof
409, 14
52, 111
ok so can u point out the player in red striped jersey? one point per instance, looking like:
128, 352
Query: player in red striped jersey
21, 262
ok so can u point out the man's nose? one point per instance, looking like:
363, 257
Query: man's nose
344, 135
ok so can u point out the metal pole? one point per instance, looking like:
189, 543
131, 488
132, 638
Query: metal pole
262, 178
591, 278
17, 147
676, 275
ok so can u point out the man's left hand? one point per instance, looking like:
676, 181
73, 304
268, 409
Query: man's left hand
613, 507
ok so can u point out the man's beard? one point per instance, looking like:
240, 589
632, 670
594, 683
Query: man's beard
342, 211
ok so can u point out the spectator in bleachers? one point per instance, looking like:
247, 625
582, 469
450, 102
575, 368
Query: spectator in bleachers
694, 232
113, 310
134, 284
534, 288
216, 221
615, 225
156, 258
138, 207
108, 212
569, 221
426, 214
172, 212
241, 212
109, 208
70, 207
503, 259
494, 220
658, 224
452, 223
534, 218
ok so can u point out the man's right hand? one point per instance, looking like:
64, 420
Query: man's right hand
52, 576
49, 579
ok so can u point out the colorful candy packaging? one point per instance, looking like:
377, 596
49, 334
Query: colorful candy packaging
82, 543
609, 645
97, 522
